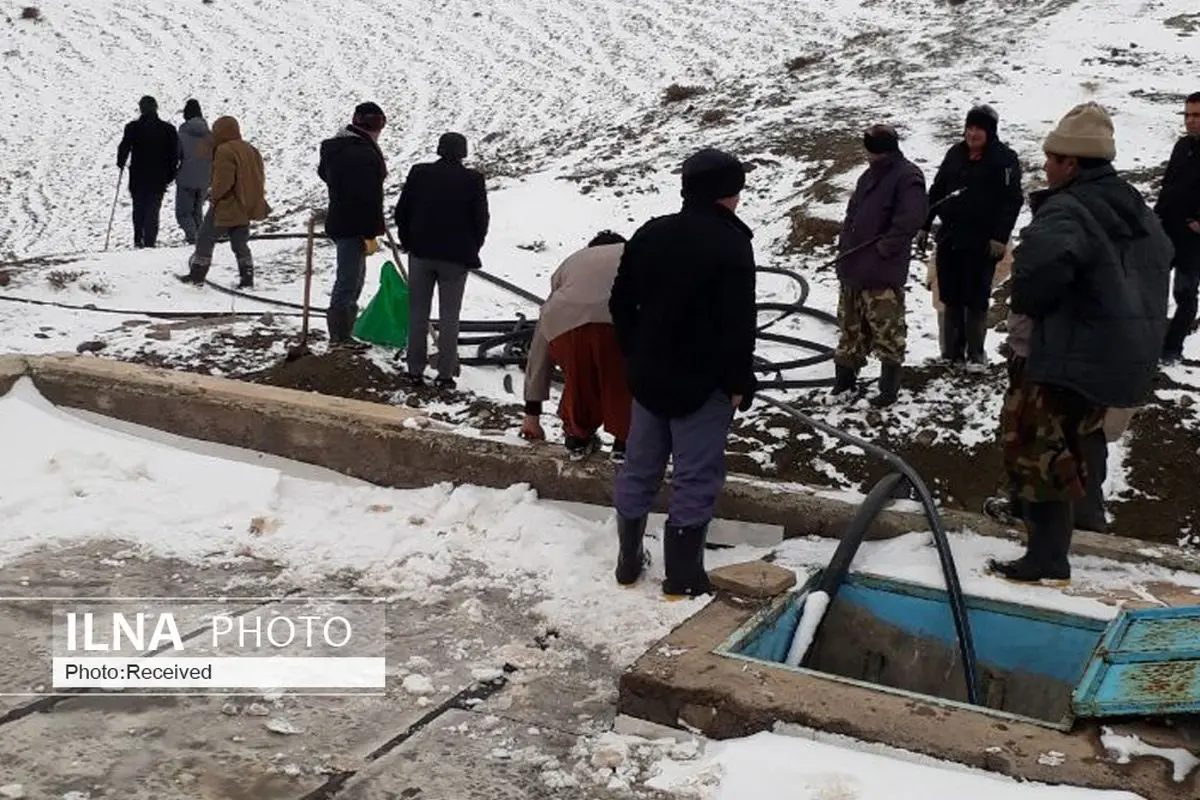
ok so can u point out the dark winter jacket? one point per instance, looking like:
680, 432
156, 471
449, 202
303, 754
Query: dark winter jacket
991, 200
683, 306
353, 168
195, 154
1179, 201
1093, 269
151, 148
889, 206
442, 213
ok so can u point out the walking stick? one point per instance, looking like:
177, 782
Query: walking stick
301, 349
112, 215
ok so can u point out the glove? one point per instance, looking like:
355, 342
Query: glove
922, 240
371, 246
996, 249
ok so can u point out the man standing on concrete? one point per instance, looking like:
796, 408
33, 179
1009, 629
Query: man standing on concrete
151, 148
195, 170
976, 225
684, 309
1092, 272
353, 167
885, 212
575, 331
1178, 207
237, 195
442, 221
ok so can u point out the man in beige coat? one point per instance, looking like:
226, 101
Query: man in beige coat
575, 331
237, 197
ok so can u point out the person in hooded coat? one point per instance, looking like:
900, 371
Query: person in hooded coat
237, 197
973, 237
150, 147
195, 170
1092, 275
353, 168
442, 221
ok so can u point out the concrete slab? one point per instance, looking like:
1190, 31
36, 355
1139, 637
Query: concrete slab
11, 368
680, 682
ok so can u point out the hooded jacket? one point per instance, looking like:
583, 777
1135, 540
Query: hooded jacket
195, 154
1092, 270
353, 168
238, 188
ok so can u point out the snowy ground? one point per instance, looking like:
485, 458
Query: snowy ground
566, 108
473, 579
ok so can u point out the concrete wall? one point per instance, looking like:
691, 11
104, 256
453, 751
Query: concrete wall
387, 445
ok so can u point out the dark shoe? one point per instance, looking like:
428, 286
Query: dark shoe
1046, 558
412, 380
191, 279
245, 277
617, 456
889, 386
579, 448
845, 379
1171, 357
632, 558
445, 384
683, 557
976, 336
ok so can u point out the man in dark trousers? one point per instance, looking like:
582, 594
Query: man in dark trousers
1178, 207
353, 167
883, 215
1092, 273
195, 170
151, 148
442, 221
974, 233
683, 306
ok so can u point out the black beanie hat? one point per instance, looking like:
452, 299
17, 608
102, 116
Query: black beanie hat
452, 145
191, 109
983, 117
148, 105
369, 117
881, 139
711, 175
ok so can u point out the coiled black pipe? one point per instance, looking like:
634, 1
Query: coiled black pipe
958, 606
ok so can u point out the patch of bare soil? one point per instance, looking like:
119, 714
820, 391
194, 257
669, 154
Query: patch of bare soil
338, 373
1162, 461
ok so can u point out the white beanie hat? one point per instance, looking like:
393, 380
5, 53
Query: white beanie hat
1085, 132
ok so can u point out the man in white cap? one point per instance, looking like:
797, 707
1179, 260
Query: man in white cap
1092, 273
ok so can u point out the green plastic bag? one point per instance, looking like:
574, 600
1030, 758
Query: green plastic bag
385, 319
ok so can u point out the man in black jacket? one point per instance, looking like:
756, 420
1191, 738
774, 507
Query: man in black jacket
1092, 273
974, 233
683, 306
442, 221
353, 167
1178, 207
151, 148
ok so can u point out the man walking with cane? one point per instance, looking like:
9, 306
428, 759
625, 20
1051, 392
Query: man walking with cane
151, 148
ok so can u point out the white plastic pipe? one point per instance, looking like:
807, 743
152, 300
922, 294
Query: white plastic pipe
810, 618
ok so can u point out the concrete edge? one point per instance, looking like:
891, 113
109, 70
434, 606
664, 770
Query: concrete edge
681, 683
387, 445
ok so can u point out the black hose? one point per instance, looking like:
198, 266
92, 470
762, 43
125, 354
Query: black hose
958, 606
137, 313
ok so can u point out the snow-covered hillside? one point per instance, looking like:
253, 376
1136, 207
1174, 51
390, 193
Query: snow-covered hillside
566, 107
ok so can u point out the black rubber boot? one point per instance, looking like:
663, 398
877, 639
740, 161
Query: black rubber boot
976, 336
889, 386
197, 272
683, 561
246, 275
954, 343
341, 325
632, 558
1089, 512
845, 379
1046, 556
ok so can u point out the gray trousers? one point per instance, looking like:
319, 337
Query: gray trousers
697, 444
189, 211
451, 281
206, 241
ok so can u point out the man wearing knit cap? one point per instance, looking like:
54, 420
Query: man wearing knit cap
442, 221
353, 167
976, 225
1091, 273
883, 216
1178, 207
683, 306
195, 170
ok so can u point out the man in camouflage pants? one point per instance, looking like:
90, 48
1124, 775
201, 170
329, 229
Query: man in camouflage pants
884, 214
1089, 294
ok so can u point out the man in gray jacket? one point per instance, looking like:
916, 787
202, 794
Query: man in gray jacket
1092, 272
195, 170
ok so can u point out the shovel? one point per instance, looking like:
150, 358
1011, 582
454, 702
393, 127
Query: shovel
300, 350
